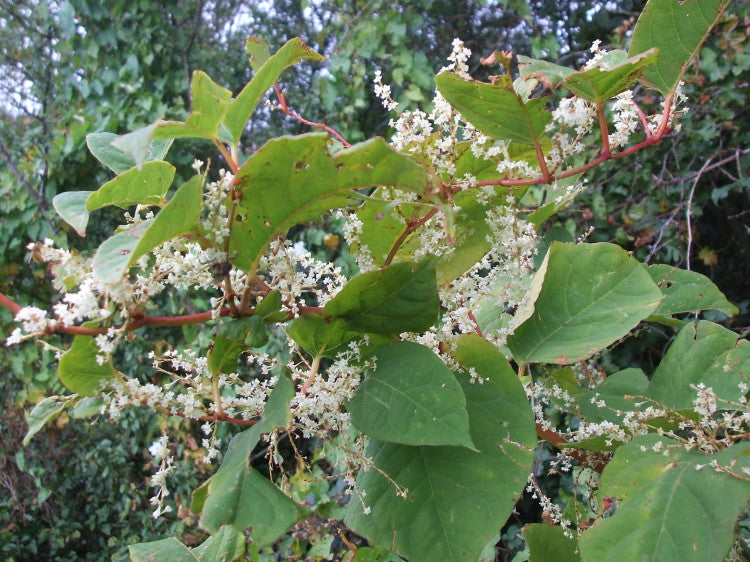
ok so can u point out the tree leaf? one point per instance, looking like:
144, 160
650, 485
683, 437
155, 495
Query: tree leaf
612, 75
591, 295
43, 413
412, 398
179, 216
399, 298
687, 291
668, 508
100, 145
701, 353
548, 542
210, 106
78, 369
71, 206
495, 110
134, 187
237, 494
457, 498
169, 549
258, 52
226, 544
141, 146
294, 179
266, 76
121, 160
677, 29
367, 554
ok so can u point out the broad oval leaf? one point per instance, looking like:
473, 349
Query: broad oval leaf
701, 353
266, 76
79, 370
412, 398
294, 179
672, 506
677, 29
399, 298
591, 295
496, 110
457, 498
71, 206
134, 187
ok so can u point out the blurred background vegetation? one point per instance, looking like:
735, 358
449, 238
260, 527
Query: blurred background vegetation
79, 490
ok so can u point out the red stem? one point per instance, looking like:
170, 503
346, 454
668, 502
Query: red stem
290, 113
147, 320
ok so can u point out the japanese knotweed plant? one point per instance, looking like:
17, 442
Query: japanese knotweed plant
416, 373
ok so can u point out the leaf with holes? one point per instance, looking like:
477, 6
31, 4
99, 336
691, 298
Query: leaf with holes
294, 179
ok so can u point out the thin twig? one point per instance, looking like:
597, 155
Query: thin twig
285, 108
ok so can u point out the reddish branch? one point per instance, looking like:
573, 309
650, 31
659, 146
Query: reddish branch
148, 320
285, 108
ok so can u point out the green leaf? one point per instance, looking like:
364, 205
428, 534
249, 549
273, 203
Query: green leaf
78, 369
669, 509
612, 75
701, 353
495, 110
134, 187
269, 309
170, 549
141, 146
43, 413
210, 106
294, 179
677, 29
121, 160
71, 206
318, 335
591, 295
232, 338
258, 52
237, 494
86, 408
179, 216
548, 542
399, 298
266, 76
111, 258
225, 545
412, 398
457, 498
368, 554
687, 291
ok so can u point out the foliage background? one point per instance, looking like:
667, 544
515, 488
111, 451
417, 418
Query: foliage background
70, 68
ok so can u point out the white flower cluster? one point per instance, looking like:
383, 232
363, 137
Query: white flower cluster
160, 451
318, 407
